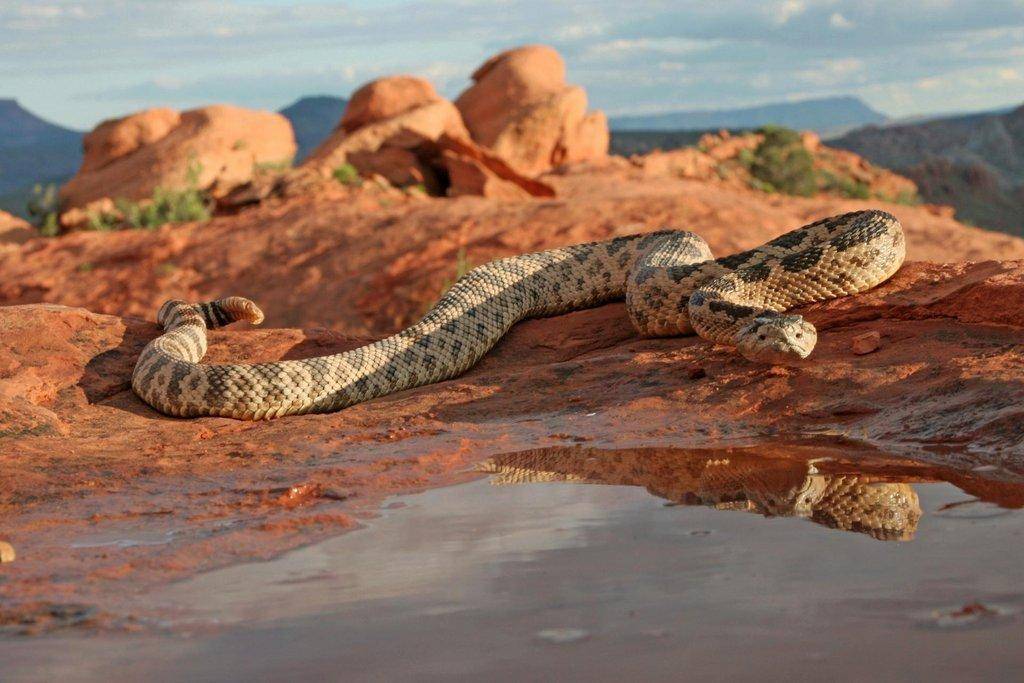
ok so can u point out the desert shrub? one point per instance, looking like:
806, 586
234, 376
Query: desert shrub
273, 166
908, 197
165, 206
102, 221
761, 186
782, 163
347, 174
847, 187
462, 266
43, 208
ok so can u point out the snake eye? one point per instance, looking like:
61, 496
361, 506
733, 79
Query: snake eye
799, 335
761, 337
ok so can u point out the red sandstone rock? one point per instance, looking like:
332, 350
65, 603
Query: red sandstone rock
14, 230
334, 256
385, 98
412, 147
77, 444
116, 138
474, 170
688, 162
811, 141
719, 157
866, 343
520, 107
471, 177
133, 156
414, 131
7, 553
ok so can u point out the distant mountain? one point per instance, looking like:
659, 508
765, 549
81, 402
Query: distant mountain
32, 151
974, 162
629, 142
313, 119
823, 115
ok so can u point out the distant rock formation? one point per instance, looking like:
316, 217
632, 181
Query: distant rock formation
385, 98
313, 118
520, 107
517, 121
32, 151
974, 162
719, 157
399, 128
221, 145
823, 115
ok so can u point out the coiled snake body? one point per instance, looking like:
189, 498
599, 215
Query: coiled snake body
671, 283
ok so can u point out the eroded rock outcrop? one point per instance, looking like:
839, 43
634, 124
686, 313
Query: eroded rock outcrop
521, 107
726, 158
392, 131
385, 98
217, 147
400, 129
14, 230
372, 260
518, 120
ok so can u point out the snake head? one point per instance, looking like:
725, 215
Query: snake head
776, 339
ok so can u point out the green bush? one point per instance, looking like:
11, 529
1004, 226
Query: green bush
102, 221
847, 187
165, 206
347, 174
908, 197
782, 163
273, 166
43, 208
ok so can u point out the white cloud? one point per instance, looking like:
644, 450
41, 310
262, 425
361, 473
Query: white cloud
787, 9
1009, 75
644, 53
838, 21
650, 46
579, 31
834, 72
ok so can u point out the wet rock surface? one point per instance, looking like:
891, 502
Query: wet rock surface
87, 467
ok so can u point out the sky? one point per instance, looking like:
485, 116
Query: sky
77, 62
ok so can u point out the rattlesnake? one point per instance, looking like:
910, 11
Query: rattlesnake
671, 283
881, 505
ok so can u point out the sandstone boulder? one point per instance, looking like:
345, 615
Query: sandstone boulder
384, 98
14, 230
473, 170
407, 130
424, 143
116, 138
688, 162
520, 107
221, 146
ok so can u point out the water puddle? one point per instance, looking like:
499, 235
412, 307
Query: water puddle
576, 563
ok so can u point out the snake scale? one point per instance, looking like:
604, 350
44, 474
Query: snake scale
671, 282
